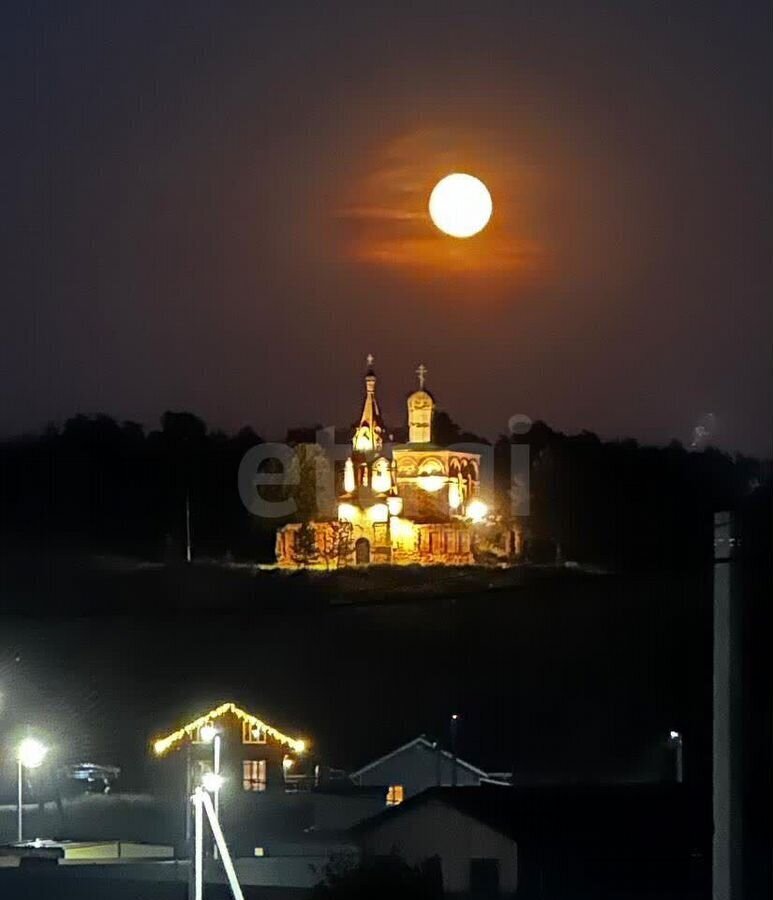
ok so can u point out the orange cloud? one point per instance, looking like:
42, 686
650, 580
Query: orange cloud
386, 222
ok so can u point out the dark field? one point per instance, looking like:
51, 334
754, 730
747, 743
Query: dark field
552, 671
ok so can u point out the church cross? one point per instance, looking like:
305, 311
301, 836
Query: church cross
421, 372
369, 360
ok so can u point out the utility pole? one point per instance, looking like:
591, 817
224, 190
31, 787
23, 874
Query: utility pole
202, 804
216, 770
727, 727
454, 724
676, 740
187, 526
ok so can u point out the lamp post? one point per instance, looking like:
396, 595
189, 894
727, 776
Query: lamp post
454, 727
215, 782
676, 740
212, 782
29, 755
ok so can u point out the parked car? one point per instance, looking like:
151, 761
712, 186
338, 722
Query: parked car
90, 777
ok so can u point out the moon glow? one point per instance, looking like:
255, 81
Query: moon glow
460, 205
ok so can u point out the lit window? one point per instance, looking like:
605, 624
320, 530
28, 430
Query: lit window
251, 734
254, 774
395, 795
380, 533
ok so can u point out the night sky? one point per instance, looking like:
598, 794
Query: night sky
221, 207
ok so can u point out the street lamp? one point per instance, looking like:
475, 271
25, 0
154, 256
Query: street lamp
210, 733
676, 740
212, 782
29, 755
477, 510
454, 727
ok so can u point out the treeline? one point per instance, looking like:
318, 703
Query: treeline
622, 504
115, 487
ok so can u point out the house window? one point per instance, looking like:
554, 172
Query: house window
254, 776
252, 734
395, 795
484, 877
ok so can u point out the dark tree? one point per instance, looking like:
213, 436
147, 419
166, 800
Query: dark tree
377, 878
338, 543
305, 551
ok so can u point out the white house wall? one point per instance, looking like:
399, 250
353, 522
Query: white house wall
434, 829
416, 769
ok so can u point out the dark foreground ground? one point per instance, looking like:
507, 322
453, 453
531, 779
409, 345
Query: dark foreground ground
555, 673
103, 884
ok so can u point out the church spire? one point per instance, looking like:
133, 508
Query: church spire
368, 436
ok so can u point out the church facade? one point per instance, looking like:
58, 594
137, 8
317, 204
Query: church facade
413, 503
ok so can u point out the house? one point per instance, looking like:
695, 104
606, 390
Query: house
474, 855
414, 767
274, 793
551, 841
259, 764
241, 746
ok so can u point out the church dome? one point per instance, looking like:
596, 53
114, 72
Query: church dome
421, 396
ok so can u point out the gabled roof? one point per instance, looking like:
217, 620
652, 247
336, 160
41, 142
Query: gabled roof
420, 741
161, 745
636, 815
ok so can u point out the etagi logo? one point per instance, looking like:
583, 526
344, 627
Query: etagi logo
271, 474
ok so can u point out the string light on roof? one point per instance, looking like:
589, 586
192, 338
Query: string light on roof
161, 745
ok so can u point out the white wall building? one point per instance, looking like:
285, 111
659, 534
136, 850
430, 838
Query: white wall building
475, 857
414, 767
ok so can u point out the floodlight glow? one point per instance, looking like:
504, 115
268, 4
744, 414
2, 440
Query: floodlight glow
477, 510
395, 505
31, 753
379, 512
349, 482
431, 483
208, 733
212, 782
347, 512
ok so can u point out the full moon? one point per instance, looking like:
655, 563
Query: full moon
460, 205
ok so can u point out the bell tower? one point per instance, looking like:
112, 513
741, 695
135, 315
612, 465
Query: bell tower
369, 434
420, 408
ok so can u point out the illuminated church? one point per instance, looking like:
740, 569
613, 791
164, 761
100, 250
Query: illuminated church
416, 504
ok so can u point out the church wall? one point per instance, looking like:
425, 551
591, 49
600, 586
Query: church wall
402, 543
424, 476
